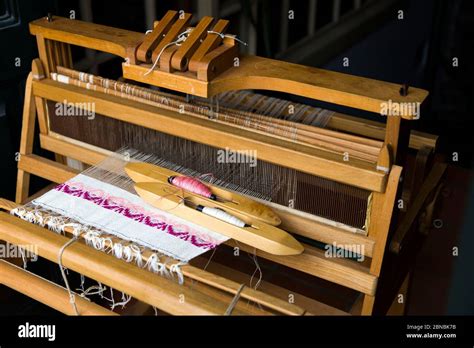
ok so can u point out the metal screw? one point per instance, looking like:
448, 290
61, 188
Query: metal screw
438, 223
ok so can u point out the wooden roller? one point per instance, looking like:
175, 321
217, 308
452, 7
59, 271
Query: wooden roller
259, 235
243, 207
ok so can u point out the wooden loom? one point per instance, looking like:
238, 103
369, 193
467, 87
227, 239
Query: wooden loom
204, 66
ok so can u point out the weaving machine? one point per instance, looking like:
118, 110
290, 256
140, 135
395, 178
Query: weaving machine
323, 178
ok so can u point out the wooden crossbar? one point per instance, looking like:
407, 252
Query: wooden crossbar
304, 158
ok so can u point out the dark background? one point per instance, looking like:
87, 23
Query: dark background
418, 50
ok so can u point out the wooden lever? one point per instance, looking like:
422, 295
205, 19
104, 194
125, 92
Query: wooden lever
177, 28
152, 39
181, 58
210, 42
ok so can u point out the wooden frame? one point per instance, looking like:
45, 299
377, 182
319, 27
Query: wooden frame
213, 292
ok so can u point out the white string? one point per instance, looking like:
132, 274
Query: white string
83, 280
23, 257
181, 38
222, 35
102, 292
72, 297
176, 268
125, 299
138, 255
224, 216
93, 290
112, 299
257, 269
153, 264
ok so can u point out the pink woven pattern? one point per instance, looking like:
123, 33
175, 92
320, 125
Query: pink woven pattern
137, 213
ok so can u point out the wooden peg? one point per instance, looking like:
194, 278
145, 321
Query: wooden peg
177, 28
152, 39
210, 42
181, 58
166, 57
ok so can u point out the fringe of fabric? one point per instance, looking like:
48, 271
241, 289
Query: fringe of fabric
99, 240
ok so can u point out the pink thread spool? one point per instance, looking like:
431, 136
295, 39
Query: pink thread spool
192, 185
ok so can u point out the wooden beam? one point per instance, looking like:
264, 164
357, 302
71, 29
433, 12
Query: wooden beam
253, 72
45, 168
84, 34
310, 160
311, 305
314, 261
26, 140
380, 217
46, 292
376, 130
268, 74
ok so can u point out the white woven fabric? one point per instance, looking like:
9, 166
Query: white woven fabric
106, 207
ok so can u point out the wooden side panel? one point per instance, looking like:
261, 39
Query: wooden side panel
380, 218
26, 142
